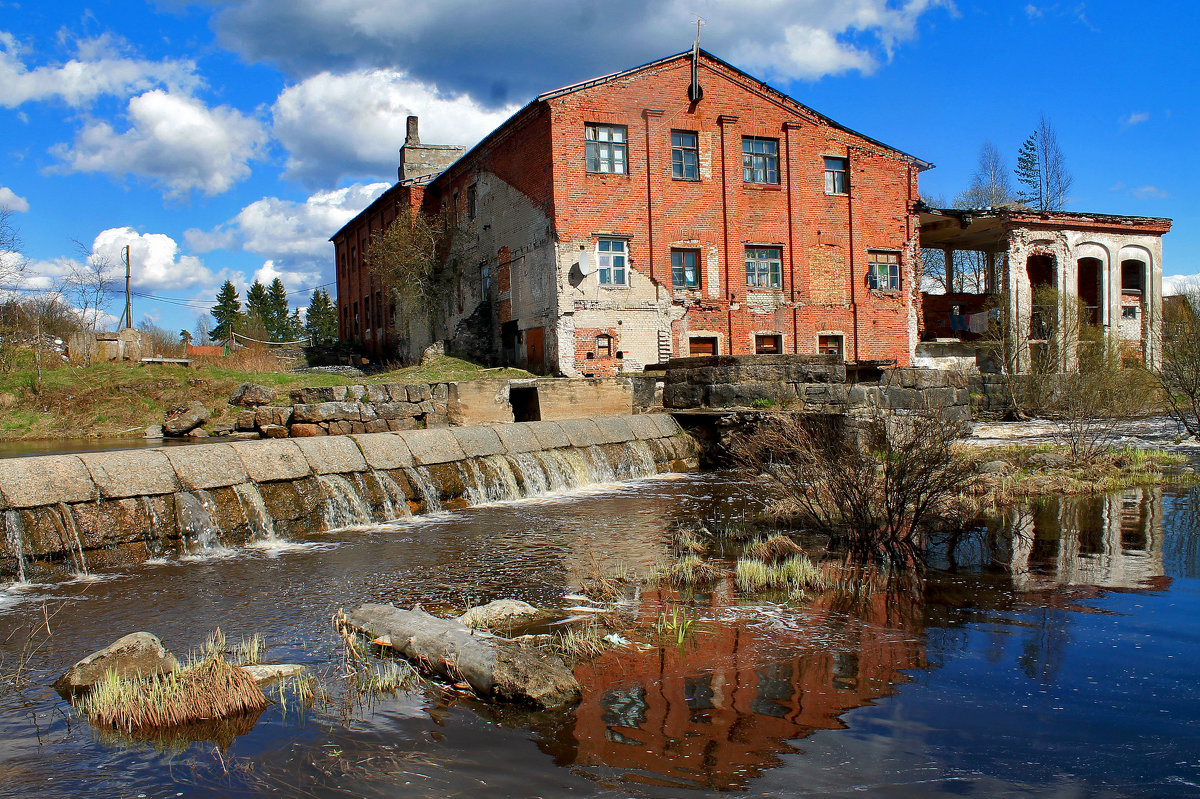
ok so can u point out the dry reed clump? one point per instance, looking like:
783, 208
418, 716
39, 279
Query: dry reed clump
207, 689
580, 644
687, 540
688, 570
775, 549
607, 583
794, 575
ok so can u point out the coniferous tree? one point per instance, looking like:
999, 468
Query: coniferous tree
1042, 170
278, 324
227, 313
321, 321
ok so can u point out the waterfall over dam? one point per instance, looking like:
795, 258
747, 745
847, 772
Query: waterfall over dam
130, 505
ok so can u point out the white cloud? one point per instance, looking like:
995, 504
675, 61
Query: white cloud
1032, 11
1134, 118
292, 236
354, 124
173, 140
12, 201
100, 68
294, 280
1178, 284
1150, 192
154, 258
542, 44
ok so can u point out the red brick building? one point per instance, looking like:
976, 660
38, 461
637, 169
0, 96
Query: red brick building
681, 207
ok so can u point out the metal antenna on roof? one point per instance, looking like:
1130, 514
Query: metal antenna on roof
695, 91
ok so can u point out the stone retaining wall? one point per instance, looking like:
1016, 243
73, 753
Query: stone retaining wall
139, 501
808, 383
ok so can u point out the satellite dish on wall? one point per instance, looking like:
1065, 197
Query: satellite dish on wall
586, 265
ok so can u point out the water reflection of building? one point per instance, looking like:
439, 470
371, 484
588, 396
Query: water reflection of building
1112, 541
718, 712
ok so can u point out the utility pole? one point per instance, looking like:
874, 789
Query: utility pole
128, 315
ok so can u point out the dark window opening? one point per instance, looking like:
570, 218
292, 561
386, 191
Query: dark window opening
883, 271
525, 405
472, 200
604, 346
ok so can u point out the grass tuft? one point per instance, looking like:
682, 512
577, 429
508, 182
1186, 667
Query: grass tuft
688, 570
796, 574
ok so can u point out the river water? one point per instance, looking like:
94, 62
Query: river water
1059, 661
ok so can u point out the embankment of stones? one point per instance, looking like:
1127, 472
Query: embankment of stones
395, 407
130, 505
809, 383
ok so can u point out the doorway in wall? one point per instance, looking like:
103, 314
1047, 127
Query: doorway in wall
525, 404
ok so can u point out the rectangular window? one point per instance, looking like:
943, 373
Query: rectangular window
472, 208
831, 345
605, 148
702, 345
764, 268
685, 156
883, 271
837, 175
760, 160
685, 269
610, 262
604, 347
768, 344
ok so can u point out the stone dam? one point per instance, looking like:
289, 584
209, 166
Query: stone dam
69, 511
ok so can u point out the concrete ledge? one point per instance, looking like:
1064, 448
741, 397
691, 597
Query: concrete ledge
131, 473
667, 426
478, 441
332, 454
384, 450
643, 426
47, 480
206, 466
614, 429
433, 446
268, 461
550, 434
582, 432
518, 437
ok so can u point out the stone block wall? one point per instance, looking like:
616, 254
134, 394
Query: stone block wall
813, 383
341, 410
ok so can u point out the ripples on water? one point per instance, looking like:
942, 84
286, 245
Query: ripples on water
1057, 661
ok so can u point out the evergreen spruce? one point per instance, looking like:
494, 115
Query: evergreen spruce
278, 324
227, 313
321, 321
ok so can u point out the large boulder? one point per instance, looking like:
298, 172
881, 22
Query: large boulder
183, 420
132, 657
251, 395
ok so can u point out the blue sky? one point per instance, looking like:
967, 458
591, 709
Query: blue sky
228, 139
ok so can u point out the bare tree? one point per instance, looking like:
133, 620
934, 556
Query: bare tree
1042, 170
90, 283
1178, 371
203, 329
877, 490
990, 185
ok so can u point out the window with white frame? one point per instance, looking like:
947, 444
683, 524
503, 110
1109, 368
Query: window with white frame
685, 269
760, 160
883, 270
764, 268
605, 148
610, 262
837, 175
685, 155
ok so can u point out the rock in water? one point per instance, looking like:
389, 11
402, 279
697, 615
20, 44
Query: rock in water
493, 667
498, 613
182, 420
131, 657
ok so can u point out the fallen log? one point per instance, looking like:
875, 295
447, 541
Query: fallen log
494, 667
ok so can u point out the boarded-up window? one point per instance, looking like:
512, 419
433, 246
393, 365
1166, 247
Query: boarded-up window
702, 345
768, 344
